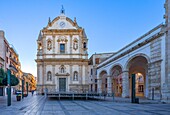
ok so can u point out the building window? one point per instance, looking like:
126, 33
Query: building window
7, 49
49, 76
39, 46
84, 45
91, 71
62, 48
97, 61
6, 59
75, 76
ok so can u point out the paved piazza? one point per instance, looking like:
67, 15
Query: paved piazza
39, 105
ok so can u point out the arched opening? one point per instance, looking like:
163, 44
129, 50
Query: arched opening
116, 77
139, 66
84, 45
103, 81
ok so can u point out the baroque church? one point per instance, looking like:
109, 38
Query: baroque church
62, 57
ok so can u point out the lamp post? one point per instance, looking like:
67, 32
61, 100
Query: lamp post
27, 87
9, 87
133, 89
22, 89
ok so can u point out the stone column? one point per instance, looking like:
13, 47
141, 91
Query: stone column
99, 85
109, 85
146, 86
125, 84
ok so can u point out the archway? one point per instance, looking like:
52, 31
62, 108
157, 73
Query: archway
103, 81
139, 66
116, 78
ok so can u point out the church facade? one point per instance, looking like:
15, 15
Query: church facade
62, 57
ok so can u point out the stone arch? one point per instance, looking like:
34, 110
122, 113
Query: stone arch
140, 54
116, 79
110, 70
138, 65
102, 81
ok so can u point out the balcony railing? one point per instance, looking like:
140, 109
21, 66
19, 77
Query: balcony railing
13, 68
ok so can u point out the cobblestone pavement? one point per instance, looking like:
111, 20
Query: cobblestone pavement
40, 105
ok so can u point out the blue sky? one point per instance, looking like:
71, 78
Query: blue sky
109, 24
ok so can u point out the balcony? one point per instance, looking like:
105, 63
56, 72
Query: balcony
14, 60
13, 68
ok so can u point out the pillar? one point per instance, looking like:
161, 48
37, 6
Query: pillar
99, 84
125, 84
146, 86
109, 85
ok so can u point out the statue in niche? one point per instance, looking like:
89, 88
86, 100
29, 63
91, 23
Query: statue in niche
75, 76
49, 78
49, 45
75, 45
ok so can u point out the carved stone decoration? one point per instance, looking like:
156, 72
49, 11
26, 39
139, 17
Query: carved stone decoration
62, 39
75, 44
62, 69
49, 45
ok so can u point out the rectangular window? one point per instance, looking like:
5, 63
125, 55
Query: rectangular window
97, 61
91, 71
6, 59
62, 48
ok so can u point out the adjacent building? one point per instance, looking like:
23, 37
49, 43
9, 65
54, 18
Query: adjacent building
4, 57
9, 59
29, 81
94, 60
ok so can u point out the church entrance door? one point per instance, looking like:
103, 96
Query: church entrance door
62, 84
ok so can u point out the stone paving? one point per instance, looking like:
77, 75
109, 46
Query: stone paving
40, 105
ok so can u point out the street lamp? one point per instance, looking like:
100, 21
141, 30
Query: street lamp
9, 87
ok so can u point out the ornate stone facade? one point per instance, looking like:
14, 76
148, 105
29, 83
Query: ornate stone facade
62, 58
